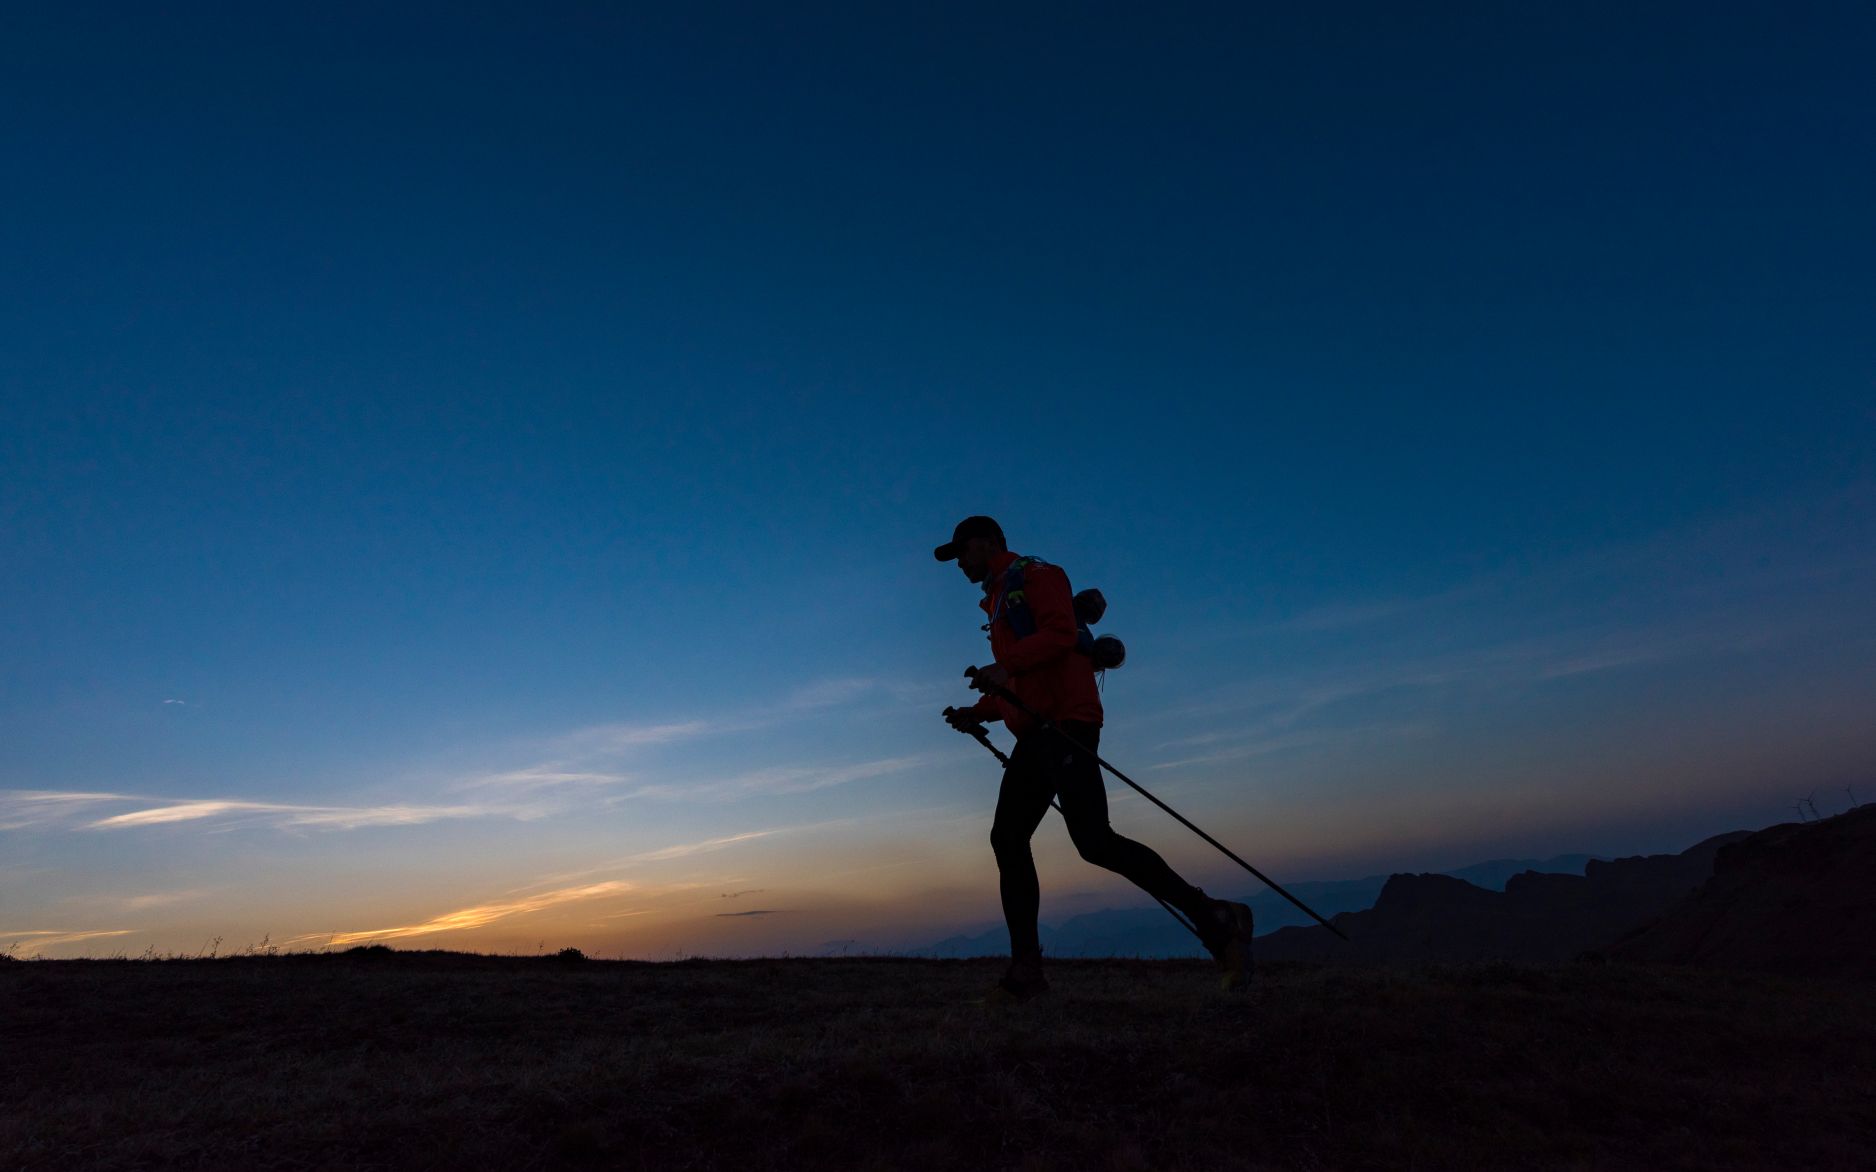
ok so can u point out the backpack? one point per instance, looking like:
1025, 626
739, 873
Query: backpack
1013, 608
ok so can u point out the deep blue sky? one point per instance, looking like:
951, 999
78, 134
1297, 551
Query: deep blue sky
1468, 413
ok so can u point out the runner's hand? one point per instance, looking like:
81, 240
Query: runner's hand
964, 721
992, 676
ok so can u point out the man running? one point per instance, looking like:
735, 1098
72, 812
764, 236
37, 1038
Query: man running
1033, 636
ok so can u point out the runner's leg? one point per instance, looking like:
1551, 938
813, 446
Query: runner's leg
1084, 805
1021, 803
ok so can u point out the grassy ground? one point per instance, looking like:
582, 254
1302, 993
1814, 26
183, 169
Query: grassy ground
449, 1061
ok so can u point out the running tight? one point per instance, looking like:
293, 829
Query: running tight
1045, 765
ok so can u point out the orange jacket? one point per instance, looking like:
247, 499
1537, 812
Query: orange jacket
1046, 672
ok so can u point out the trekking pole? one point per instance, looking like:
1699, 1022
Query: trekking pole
1046, 725
982, 737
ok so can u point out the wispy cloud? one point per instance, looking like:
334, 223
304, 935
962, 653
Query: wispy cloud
1403, 695
1601, 661
777, 780
474, 917
138, 902
1287, 700
685, 850
620, 737
600, 739
1259, 746
757, 912
553, 775
682, 850
570, 767
1633, 604
613, 879
31, 942
150, 899
585, 768
283, 815
23, 808
828, 693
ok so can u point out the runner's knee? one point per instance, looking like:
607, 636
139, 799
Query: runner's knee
1097, 846
1007, 843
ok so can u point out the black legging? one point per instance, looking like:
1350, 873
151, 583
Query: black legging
1044, 765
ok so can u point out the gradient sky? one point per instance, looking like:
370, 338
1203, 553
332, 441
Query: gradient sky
468, 477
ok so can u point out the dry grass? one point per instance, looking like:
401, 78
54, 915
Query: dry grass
448, 1061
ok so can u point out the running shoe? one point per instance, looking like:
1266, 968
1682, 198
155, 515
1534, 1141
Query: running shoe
1228, 939
1023, 982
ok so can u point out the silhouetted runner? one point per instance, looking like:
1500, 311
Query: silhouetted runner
1033, 636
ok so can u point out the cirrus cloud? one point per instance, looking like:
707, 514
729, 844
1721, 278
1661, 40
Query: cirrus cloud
474, 917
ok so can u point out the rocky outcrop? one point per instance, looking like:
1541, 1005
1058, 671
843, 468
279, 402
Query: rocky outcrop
1795, 898
1537, 918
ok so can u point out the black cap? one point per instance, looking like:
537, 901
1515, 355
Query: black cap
968, 528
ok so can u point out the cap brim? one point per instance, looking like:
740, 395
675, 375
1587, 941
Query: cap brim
946, 552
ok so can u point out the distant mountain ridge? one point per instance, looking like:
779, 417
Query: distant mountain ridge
1799, 897
1537, 918
1150, 933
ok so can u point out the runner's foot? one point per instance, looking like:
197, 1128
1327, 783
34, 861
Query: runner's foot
1022, 983
1228, 939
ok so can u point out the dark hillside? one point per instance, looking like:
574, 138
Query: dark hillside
434, 1061
1537, 918
1800, 897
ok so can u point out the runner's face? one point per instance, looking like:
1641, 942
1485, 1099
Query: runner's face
974, 559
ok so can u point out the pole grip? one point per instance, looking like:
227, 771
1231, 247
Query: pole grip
982, 737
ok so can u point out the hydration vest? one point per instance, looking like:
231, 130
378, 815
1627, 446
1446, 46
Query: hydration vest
1013, 608
1011, 605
